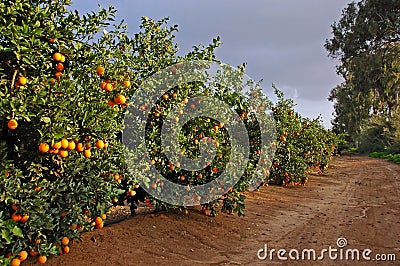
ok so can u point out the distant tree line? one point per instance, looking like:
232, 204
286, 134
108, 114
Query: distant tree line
366, 41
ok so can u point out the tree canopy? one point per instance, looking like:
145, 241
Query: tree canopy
366, 40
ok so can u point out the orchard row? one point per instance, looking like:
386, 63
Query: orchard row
63, 102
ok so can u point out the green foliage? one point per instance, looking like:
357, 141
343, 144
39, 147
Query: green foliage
62, 195
395, 158
66, 97
352, 149
366, 40
302, 143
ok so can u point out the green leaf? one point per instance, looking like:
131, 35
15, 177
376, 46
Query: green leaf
45, 119
17, 232
5, 235
58, 135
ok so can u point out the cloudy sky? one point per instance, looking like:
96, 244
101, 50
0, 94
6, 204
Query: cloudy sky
281, 40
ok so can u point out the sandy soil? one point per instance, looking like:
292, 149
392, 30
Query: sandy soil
358, 199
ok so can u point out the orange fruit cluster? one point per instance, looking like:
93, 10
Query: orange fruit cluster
109, 86
60, 59
64, 146
23, 255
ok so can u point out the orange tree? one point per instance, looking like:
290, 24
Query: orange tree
301, 144
204, 128
65, 83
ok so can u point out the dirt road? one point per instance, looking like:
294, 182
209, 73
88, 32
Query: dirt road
358, 199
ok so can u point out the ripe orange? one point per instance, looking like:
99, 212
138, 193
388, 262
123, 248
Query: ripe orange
100, 144
153, 185
110, 103
52, 40
103, 216
12, 124
23, 255
62, 58
65, 241
14, 207
131, 193
80, 147
58, 74
22, 80
98, 220
100, 225
57, 56
37, 189
120, 99
57, 145
42, 259
182, 178
283, 138
16, 217
185, 100
66, 250
15, 262
108, 87
87, 153
24, 218
106, 145
33, 253
64, 143
71, 145
103, 85
215, 170
54, 151
127, 84
44, 147
60, 67
100, 70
